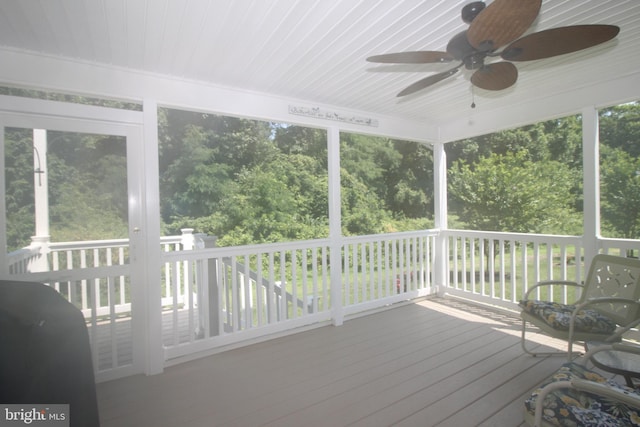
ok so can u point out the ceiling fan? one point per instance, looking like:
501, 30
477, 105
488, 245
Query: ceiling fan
491, 28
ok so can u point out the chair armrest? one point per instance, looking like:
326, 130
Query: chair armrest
586, 386
592, 301
551, 283
605, 391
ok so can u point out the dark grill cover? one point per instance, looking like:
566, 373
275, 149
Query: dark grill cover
45, 354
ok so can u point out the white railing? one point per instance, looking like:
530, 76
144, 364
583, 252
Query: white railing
245, 291
94, 297
386, 268
621, 247
497, 268
22, 260
215, 296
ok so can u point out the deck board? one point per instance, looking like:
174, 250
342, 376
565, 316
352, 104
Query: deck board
435, 362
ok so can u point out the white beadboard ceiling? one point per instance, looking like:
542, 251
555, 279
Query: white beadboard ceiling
315, 50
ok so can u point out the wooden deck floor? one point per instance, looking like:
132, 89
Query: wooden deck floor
436, 362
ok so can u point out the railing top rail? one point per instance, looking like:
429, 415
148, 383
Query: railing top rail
93, 244
89, 244
611, 243
391, 236
170, 239
542, 238
24, 252
226, 251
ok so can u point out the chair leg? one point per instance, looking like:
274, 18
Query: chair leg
523, 343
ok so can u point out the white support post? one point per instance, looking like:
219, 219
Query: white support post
335, 224
41, 182
591, 183
440, 213
187, 240
154, 360
41, 199
207, 297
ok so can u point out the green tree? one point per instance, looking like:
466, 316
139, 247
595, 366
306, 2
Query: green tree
512, 193
370, 160
200, 157
362, 211
620, 193
532, 139
620, 127
411, 183
19, 177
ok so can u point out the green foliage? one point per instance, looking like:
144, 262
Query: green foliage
620, 128
19, 179
362, 211
87, 185
512, 193
399, 174
620, 183
250, 181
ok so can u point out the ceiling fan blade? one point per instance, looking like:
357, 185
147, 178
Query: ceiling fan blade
428, 81
498, 76
416, 57
558, 41
502, 22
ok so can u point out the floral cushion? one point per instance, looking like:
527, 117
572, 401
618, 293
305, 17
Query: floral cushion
570, 407
558, 316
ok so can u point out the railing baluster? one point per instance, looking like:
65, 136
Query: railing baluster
294, 284
325, 279
272, 299
502, 270
235, 297
175, 273
380, 270
356, 285
113, 327
284, 304
248, 294
259, 291
305, 291
514, 272
314, 271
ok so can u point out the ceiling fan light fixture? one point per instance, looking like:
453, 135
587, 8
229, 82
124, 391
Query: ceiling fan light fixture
474, 62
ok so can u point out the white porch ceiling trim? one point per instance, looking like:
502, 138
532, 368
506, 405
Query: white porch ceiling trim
30, 70
604, 94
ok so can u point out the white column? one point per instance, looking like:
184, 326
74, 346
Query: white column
440, 215
41, 191
154, 359
591, 182
42, 236
335, 224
